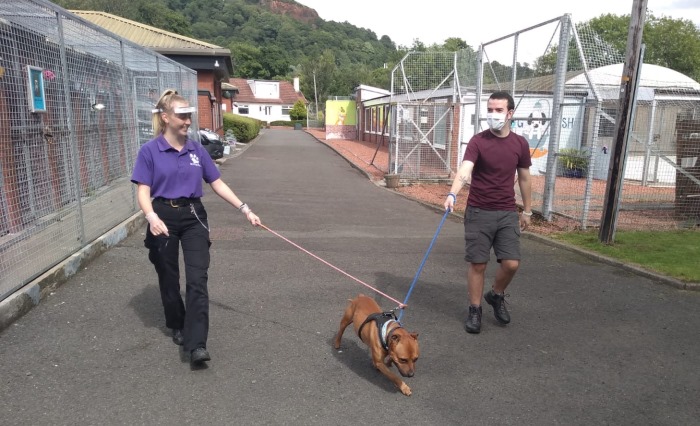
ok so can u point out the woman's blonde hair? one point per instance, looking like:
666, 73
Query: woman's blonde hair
165, 104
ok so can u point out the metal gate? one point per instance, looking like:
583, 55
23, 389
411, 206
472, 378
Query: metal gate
420, 147
426, 88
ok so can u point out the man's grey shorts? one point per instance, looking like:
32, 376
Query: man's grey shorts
484, 229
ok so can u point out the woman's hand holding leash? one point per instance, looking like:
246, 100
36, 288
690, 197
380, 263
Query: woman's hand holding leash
252, 217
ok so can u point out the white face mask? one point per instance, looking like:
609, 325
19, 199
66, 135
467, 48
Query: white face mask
495, 120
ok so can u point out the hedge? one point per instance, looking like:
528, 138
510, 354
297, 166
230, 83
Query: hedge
287, 123
245, 129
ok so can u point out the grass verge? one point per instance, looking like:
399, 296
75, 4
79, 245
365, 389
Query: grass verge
672, 253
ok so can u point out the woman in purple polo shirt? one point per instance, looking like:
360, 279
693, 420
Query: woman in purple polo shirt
169, 171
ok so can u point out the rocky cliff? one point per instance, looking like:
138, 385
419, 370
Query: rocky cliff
291, 8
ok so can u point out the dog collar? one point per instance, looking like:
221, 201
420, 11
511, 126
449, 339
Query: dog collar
385, 334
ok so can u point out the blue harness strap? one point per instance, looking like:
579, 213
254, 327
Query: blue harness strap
383, 320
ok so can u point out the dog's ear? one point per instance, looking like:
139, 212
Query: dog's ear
395, 338
415, 336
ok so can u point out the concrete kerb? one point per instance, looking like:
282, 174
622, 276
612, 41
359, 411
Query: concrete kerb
663, 279
31, 294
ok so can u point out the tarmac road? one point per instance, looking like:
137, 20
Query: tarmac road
590, 343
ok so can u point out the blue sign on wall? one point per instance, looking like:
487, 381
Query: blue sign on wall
35, 85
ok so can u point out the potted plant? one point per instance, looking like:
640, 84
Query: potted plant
573, 162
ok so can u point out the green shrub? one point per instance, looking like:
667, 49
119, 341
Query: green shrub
245, 129
574, 159
287, 123
573, 162
298, 111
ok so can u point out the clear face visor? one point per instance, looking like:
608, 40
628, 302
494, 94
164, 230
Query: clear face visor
184, 113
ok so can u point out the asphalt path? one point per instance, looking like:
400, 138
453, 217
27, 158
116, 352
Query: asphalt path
589, 343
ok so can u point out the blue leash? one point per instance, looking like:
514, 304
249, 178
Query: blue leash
420, 268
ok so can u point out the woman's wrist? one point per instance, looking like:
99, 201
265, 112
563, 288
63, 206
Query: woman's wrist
150, 217
244, 209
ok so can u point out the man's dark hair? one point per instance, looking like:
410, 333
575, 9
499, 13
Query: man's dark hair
506, 96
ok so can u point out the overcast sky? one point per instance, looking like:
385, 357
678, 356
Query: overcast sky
434, 21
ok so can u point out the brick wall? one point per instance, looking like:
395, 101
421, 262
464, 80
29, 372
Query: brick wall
206, 81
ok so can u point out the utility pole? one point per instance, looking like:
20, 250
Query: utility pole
315, 95
623, 120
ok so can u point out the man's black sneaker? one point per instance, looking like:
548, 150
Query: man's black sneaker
177, 337
498, 302
199, 356
473, 322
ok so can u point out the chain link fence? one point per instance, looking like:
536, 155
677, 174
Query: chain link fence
565, 80
75, 106
424, 87
566, 100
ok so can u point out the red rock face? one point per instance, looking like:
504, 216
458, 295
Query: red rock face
297, 11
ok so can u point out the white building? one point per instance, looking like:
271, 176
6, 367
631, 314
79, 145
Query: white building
264, 100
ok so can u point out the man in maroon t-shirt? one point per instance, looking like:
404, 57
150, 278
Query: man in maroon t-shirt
491, 219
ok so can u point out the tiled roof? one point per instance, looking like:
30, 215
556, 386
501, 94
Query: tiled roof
245, 94
153, 38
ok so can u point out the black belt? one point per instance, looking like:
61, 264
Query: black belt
178, 202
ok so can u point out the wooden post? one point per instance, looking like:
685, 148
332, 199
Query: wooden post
628, 90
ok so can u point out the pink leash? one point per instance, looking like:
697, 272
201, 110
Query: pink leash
400, 305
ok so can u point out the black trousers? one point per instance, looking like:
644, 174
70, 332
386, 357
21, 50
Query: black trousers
187, 226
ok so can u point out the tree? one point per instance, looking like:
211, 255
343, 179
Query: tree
673, 43
298, 111
274, 61
669, 42
246, 60
322, 70
454, 44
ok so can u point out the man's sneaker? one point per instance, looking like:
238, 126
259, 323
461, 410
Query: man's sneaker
473, 322
178, 339
199, 356
498, 302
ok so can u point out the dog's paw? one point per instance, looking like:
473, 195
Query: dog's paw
405, 389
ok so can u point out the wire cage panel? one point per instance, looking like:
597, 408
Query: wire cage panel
74, 109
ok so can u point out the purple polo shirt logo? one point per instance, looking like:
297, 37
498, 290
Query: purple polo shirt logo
194, 160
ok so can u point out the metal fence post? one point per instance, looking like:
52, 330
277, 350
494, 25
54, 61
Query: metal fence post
555, 126
71, 129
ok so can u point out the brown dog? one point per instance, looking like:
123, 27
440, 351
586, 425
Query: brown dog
394, 345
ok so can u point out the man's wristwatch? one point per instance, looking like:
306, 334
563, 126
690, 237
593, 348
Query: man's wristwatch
527, 213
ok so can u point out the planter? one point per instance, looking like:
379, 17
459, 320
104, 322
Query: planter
573, 173
392, 181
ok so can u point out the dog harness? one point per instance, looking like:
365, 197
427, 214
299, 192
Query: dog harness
383, 320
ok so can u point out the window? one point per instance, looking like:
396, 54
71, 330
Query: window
286, 109
243, 110
606, 124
